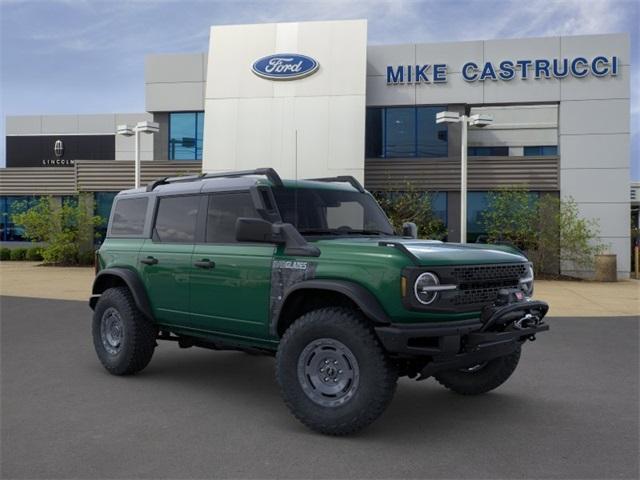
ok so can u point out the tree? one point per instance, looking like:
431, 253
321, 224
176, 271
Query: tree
550, 229
411, 205
66, 229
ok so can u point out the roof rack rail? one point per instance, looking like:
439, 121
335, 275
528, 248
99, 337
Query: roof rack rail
270, 173
342, 178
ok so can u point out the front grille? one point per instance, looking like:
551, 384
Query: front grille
481, 273
478, 285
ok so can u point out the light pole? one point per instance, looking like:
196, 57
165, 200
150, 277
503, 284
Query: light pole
127, 131
478, 120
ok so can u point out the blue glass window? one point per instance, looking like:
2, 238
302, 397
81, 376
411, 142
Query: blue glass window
439, 206
405, 132
102, 208
477, 204
185, 135
541, 151
488, 151
10, 205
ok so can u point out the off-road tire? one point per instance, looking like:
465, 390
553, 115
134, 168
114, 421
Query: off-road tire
138, 339
487, 378
377, 375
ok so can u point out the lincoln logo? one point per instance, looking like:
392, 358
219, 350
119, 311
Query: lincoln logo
58, 148
284, 66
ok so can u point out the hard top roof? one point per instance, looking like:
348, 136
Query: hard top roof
240, 181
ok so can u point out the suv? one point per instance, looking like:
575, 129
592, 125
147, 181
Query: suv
309, 271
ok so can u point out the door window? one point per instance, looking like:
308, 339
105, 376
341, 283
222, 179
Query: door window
224, 209
176, 219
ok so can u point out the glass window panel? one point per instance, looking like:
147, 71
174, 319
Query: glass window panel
374, 133
432, 138
176, 219
129, 216
439, 205
199, 134
224, 210
185, 135
477, 204
400, 129
12, 232
541, 150
102, 208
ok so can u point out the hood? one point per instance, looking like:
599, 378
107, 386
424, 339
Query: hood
433, 252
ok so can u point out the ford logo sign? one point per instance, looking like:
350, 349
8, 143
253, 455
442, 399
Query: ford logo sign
284, 66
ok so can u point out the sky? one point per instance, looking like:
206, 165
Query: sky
87, 56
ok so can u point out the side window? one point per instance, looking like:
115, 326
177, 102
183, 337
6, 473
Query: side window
128, 216
176, 219
224, 210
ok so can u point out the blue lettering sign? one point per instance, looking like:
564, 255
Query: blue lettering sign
396, 76
579, 67
439, 73
421, 75
466, 68
284, 66
506, 70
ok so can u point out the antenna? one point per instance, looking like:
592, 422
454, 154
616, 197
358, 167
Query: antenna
295, 191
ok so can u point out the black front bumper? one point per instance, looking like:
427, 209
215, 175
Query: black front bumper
450, 345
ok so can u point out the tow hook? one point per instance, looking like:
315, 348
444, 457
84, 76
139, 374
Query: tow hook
531, 338
526, 322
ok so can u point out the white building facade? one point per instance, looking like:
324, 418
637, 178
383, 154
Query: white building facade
313, 99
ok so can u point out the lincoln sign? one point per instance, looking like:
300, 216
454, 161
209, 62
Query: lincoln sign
506, 70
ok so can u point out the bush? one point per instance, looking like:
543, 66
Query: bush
548, 228
5, 253
33, 254
86, 258
18, 253
415, 206
66, 230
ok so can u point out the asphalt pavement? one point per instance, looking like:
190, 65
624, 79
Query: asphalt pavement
570, 411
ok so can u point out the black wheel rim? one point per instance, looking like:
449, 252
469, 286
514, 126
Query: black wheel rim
111, 330
328, 372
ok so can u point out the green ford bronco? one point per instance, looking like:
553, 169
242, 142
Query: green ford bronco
312, 272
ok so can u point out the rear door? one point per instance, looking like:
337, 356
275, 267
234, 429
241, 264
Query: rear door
230, 281
165, 259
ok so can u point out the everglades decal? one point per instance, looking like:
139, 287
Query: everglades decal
285, 274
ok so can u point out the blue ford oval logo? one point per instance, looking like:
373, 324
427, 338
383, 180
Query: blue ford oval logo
284, 66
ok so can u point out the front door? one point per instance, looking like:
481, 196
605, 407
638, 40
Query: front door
230, 281
165, 259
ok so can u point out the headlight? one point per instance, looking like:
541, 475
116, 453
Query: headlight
526, 282
425, 288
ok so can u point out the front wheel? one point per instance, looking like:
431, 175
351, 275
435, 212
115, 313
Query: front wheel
333, 374
480, 378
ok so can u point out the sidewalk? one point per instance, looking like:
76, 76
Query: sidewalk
567, 299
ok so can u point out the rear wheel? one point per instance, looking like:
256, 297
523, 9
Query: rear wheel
123, 337
333, 374
480, 378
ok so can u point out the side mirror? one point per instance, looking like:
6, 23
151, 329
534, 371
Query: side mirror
410, 229
254, 230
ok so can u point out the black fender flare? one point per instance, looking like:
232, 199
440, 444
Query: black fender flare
363, 298
132, 281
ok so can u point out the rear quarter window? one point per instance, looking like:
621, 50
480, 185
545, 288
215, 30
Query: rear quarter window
128, 216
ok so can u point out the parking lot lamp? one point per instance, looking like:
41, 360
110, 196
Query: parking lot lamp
478, 120
140, 127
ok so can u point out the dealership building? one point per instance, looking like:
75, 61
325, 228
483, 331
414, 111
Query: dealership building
312, 99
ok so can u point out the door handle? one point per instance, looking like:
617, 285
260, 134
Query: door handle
149, 261
204, 263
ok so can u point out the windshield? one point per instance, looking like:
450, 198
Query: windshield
331, 212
